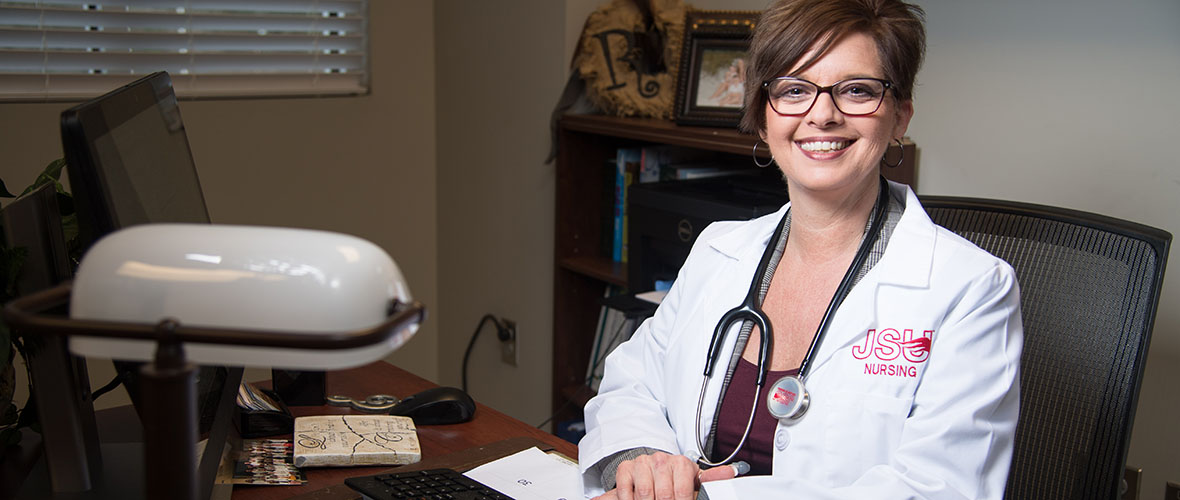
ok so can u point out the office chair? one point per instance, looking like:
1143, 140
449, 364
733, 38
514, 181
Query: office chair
1089, 288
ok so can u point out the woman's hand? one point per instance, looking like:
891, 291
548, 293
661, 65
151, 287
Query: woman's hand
661, 476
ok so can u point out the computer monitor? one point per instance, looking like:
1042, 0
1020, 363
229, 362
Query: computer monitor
129, 162
33, 223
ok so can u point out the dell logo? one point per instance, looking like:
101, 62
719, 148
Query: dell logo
684, 230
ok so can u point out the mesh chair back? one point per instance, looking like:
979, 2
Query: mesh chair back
1089, 289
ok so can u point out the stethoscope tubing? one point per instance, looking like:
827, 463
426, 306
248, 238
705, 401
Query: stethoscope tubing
750, 309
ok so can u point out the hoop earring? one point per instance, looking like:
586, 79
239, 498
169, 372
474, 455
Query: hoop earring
762, 165
900, 157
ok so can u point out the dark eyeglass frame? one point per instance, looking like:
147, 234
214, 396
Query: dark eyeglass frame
825, 90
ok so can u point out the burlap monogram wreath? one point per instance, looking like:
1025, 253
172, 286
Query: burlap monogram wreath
628, 56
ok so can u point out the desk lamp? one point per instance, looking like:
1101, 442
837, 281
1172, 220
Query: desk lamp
180, 294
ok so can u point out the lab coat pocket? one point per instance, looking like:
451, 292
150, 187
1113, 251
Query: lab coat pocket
861, 431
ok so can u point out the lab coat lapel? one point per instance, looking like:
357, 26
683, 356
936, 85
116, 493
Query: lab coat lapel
737, 244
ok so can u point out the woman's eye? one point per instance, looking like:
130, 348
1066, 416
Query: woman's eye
793, 92
859, 91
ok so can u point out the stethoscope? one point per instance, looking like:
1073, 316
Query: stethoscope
788, 399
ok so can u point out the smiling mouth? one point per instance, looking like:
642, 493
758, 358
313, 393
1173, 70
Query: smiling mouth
824, 146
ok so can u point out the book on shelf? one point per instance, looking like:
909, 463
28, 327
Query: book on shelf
654, 159
618, 318
627, 162
689, 170
607, 204
614, 328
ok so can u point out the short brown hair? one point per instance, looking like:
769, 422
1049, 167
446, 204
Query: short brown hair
788, 29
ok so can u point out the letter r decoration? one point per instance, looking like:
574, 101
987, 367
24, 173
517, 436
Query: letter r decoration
632, 57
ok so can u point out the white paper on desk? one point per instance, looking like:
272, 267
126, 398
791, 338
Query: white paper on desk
532, 475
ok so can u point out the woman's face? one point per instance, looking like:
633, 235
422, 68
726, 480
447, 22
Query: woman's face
825, 151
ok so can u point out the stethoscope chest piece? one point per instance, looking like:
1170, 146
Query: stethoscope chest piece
788, 399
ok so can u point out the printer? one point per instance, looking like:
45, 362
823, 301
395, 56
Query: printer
666, 217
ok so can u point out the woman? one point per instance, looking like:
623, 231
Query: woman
912, 385
731, 90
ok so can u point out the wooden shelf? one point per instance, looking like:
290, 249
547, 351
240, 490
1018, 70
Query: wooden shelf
586, 148
599, 268
578, 394
662, 132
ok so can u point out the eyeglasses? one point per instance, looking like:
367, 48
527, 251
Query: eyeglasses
795, 96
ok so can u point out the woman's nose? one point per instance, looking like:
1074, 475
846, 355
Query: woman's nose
823, 112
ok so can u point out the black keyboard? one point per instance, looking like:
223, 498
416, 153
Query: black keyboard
433, 484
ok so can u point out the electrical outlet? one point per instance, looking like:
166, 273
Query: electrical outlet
1172, 491
508, 352
1132, 477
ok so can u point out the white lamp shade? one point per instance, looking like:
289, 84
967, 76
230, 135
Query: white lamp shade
238, 277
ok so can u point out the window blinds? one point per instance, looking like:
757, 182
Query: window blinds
62, 49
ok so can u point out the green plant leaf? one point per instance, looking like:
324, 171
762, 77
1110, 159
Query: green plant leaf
51, 174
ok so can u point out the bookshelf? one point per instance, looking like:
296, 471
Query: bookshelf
585, 145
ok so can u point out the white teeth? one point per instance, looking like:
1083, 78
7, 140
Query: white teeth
824, 146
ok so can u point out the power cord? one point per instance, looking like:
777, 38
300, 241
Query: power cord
115, 382
502, 332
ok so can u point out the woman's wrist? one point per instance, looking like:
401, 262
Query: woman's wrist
610, 465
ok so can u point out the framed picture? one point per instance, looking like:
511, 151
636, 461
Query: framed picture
711, 85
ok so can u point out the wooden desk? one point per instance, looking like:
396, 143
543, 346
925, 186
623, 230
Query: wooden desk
446, 445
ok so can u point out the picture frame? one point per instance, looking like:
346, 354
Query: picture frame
710, 81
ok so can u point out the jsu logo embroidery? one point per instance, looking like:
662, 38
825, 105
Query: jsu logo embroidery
887, 345
783, 396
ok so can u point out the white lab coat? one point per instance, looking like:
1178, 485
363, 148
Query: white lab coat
889, 422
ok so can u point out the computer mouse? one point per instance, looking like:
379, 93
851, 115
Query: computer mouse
435, 406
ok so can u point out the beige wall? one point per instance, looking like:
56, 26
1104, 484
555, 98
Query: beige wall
501, 68
357, 165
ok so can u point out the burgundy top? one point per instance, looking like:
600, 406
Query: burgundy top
735, 411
